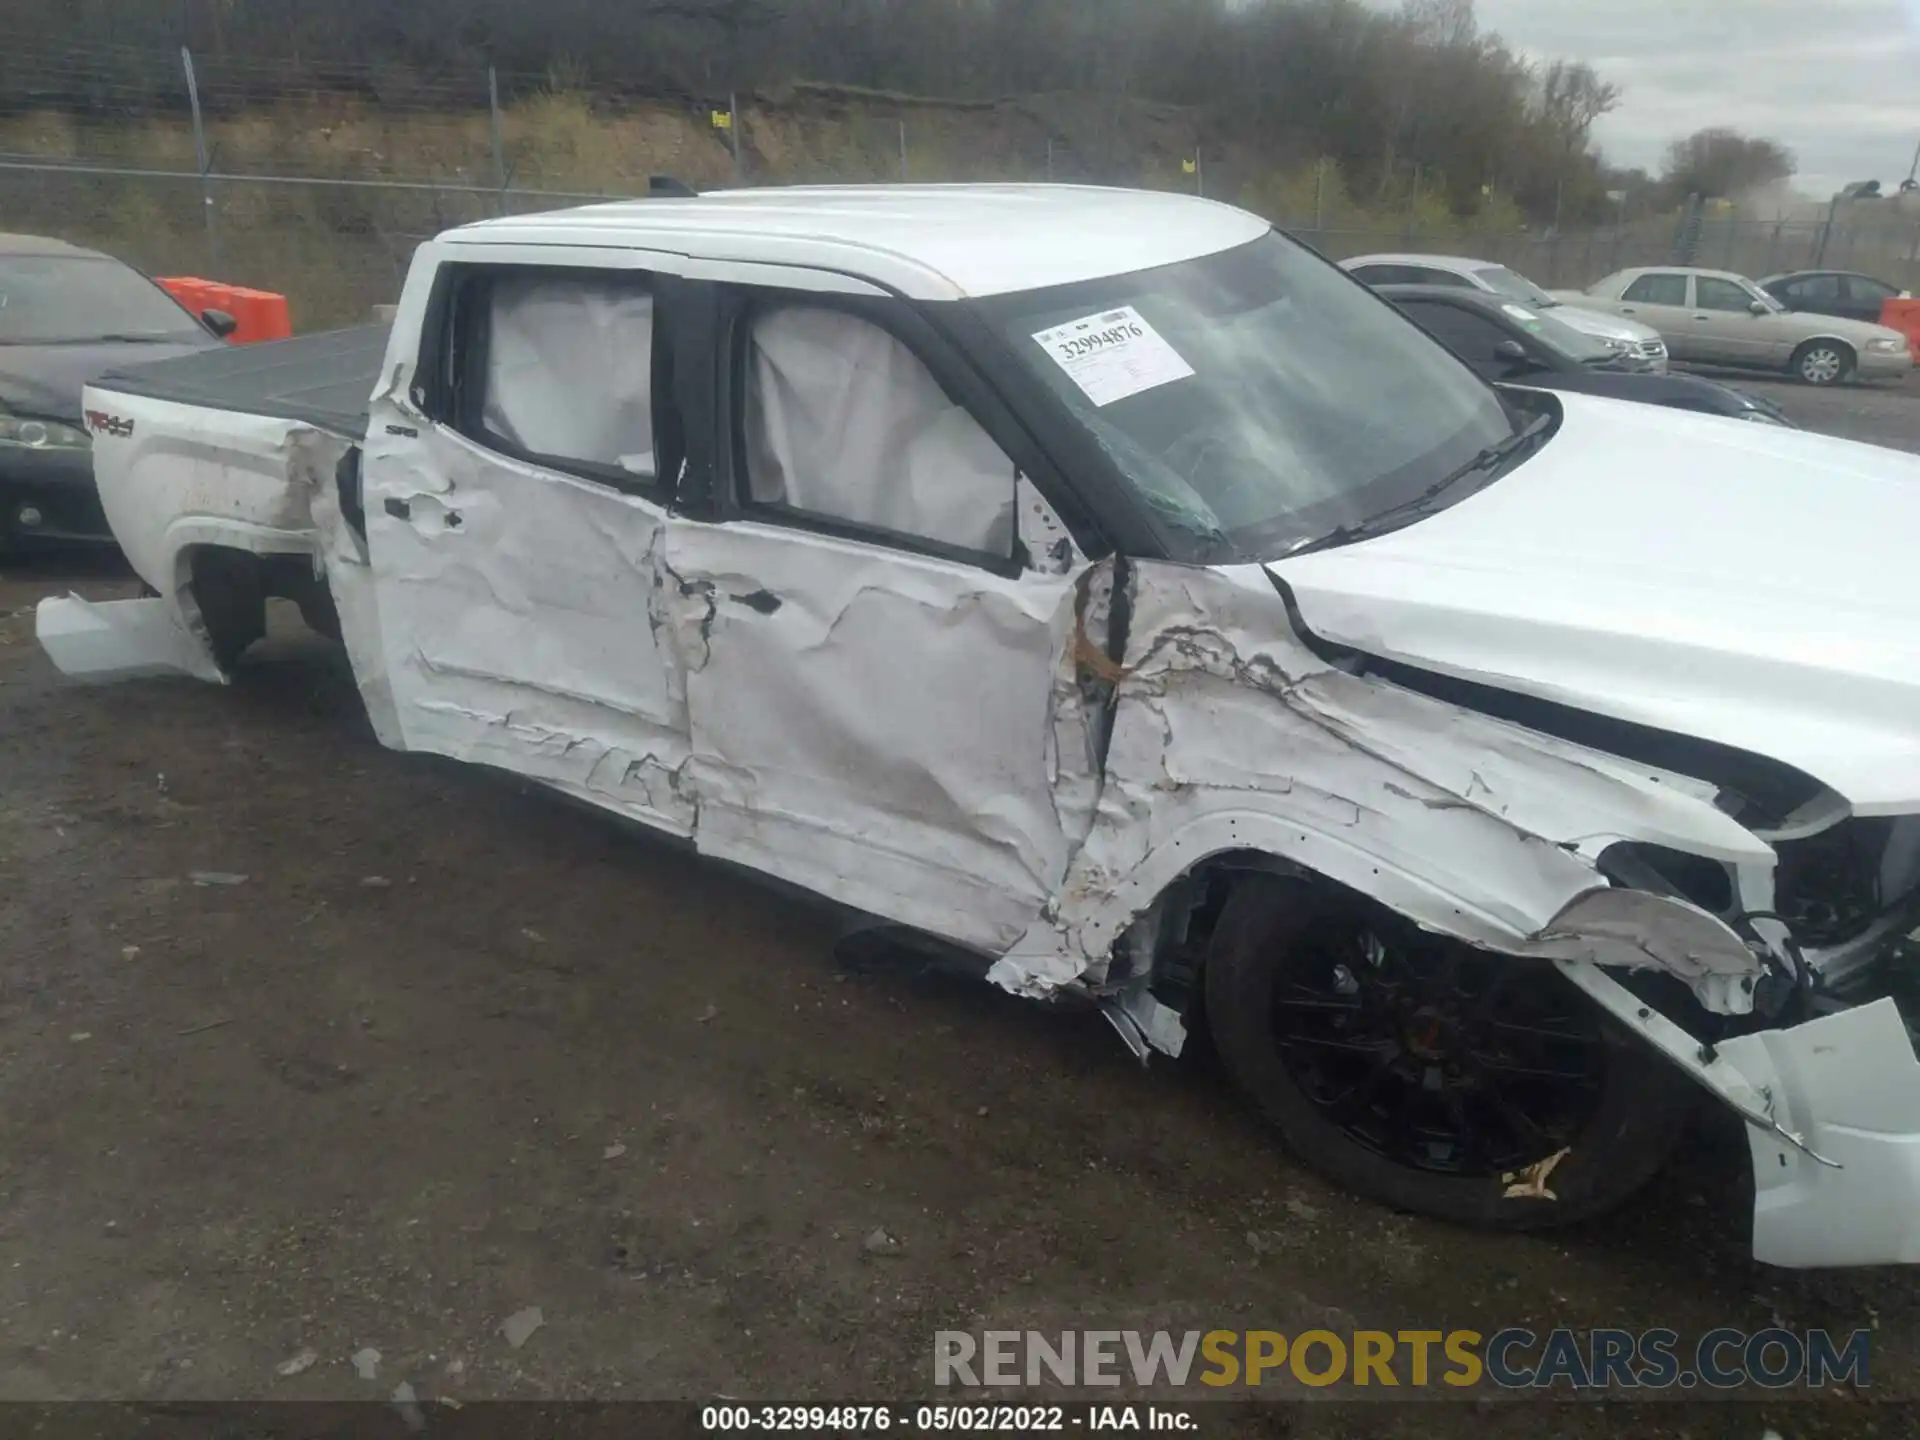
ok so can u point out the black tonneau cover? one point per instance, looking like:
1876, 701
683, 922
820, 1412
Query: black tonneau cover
324, 380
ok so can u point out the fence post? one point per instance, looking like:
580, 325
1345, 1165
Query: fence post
1199, 172
1826, 234
733, 137
903, 151
203, 159
1049, 157
1320, 199
499, 144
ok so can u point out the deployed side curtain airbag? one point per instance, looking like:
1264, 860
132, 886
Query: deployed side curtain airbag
570, 369
844, 421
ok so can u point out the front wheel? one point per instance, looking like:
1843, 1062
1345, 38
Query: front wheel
1822, 362
1428, 1075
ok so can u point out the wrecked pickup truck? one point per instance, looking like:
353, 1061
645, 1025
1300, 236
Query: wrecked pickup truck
1116, 592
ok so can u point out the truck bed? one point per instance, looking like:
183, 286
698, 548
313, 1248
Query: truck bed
324, 380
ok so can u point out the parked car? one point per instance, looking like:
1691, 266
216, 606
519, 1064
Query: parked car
1719, 318
1636, 345
1107, 588
1832, 292
1508, 342
67, 314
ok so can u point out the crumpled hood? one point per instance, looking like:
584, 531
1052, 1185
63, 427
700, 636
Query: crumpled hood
1739, 583
46, 380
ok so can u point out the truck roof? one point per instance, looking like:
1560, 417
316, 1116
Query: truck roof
928, 242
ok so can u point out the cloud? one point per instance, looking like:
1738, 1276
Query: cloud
1832, 81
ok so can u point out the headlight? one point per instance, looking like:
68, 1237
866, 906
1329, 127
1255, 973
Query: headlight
28, 434
1887, 346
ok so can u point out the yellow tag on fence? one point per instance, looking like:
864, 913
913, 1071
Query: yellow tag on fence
722, 120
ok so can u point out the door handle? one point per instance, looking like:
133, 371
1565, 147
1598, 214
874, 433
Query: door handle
401, 510
1628, 310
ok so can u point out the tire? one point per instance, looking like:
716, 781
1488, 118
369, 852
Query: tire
1822, 362
1273, 931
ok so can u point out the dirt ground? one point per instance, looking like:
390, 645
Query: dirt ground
452, 1049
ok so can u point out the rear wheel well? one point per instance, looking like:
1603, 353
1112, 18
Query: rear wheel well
224, 591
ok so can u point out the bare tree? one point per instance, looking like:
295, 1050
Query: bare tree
1721, 163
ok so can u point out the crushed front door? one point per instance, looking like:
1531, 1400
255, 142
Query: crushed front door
872, 675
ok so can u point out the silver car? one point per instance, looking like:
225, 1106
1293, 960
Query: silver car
1636, 346
1719, 318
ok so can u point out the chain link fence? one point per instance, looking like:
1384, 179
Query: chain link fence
317, 179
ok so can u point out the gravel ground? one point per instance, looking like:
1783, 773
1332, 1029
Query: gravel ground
452, 1049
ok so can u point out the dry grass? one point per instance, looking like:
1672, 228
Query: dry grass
337, 250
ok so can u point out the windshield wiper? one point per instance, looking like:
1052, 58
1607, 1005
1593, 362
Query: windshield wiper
1488, 461
129, 337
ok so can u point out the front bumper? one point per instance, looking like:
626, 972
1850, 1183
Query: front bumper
50, 495
1832, 1107
1848, 1087
1883, 365
1647, 358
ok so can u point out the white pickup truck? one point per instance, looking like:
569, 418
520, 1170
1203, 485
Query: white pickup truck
1112, 590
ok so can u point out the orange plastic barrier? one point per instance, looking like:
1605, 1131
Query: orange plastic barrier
261, 313
1904, 316
189, 292
258, 314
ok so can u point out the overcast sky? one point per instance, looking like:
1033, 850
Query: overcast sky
1836, 81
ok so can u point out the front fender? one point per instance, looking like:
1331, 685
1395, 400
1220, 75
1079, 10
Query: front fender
1229, 735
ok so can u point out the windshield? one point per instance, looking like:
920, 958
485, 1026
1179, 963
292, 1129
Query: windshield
1253, 399
67, 299
1503, 281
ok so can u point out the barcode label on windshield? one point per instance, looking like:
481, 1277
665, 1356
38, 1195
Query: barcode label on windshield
1113, 355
